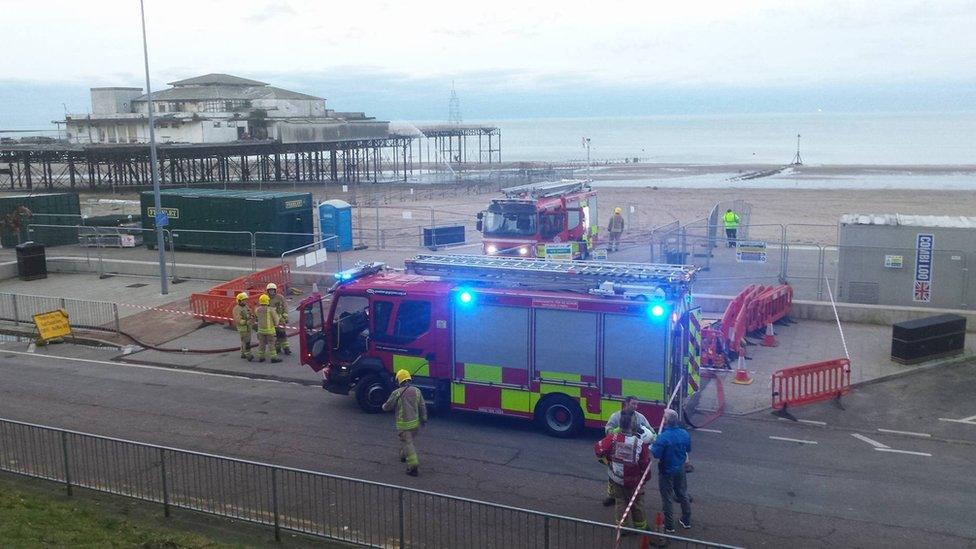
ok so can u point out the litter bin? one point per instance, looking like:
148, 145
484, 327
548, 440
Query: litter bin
31, 262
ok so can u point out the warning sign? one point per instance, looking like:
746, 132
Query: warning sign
750, 251
52, 325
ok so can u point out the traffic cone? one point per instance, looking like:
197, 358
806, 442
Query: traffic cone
769, 340
657, 541
741, 375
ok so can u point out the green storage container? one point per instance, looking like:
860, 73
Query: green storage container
236, 213
48, 209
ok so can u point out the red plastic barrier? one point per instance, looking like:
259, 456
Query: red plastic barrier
811, 383
217, 304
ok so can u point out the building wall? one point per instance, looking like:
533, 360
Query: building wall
289, 132
290, 108
113, 100
863, 274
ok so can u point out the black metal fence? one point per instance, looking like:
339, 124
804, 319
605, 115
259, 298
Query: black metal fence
328, 506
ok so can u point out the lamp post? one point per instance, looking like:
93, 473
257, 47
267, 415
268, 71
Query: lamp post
153, 163
586, 143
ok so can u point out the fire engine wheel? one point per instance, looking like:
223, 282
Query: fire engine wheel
371, 392
560, 416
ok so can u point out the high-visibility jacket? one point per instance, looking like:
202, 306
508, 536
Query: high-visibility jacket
731, 220
280, 306
267, 319
616, 224
628, 455
242, 318
410, 408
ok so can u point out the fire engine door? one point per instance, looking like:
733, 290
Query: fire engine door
403, 335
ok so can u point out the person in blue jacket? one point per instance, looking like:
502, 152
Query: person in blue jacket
671, 449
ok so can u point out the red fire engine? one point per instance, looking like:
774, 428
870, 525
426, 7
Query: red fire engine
554, 220
561, 342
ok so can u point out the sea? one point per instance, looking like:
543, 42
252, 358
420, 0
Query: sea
915, 138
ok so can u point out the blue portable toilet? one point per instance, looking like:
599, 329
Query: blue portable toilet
335, 219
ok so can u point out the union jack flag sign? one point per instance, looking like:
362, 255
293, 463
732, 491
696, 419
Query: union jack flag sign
923, 291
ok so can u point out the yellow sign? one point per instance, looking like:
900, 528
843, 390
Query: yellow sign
52, 325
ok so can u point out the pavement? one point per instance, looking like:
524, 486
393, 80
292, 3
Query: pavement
759, 480
811, 341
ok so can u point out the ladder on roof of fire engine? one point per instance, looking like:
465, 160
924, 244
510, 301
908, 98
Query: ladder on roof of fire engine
517, 269
546, 189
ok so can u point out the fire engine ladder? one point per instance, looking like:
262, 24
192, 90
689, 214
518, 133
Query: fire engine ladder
546, 189
567, 274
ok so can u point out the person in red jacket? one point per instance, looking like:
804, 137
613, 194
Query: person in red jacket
627, 457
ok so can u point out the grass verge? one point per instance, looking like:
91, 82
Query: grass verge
36, 513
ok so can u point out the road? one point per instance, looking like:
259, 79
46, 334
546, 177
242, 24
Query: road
759, 481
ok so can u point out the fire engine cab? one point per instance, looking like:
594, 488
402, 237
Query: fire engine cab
560, 342
554, 220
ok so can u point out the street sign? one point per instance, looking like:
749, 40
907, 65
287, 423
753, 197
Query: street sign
750, 251
162, 220
52, 325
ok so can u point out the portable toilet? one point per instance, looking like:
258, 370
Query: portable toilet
335, 219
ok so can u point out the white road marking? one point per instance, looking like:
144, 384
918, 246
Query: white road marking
142, 366
710, 431
966, 420
794, 440
909, 433
892, 450
877, 445
807, 421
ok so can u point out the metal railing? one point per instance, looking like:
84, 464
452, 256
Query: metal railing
99, 315
361, 512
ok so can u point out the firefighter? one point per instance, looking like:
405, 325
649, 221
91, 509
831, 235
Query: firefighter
281, 307
411, 414
242, 319
615, 228
628, 456
639, 426
267, 320
731, 220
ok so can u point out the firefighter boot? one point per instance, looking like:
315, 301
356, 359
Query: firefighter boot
274, 357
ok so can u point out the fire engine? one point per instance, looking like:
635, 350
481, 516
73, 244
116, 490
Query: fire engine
554, 220
560, 342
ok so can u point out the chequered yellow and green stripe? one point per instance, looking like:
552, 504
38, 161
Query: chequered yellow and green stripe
417, 366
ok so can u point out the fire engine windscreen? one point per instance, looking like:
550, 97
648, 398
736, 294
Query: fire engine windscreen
503, 219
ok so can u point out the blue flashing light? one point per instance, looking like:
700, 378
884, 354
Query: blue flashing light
465, 297
657, 310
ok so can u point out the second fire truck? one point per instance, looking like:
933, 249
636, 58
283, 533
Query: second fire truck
559, 342
553, 220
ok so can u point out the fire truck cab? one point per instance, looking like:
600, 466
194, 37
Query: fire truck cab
554, 220
559, 342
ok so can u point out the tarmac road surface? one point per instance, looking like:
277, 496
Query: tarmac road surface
759, 481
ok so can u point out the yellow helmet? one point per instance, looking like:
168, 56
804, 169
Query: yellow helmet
402, 375
617, 210
271, 286
264, 300
242, 297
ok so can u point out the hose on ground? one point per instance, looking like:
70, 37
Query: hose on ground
720, 396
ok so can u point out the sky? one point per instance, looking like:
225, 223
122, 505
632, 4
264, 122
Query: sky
506, 58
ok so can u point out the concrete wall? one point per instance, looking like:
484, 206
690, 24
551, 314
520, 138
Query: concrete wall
882, 315
864, 278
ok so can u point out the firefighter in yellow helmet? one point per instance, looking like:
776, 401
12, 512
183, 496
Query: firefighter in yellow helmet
280, 306
411, 414
267, 321
242, 320
615, 228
